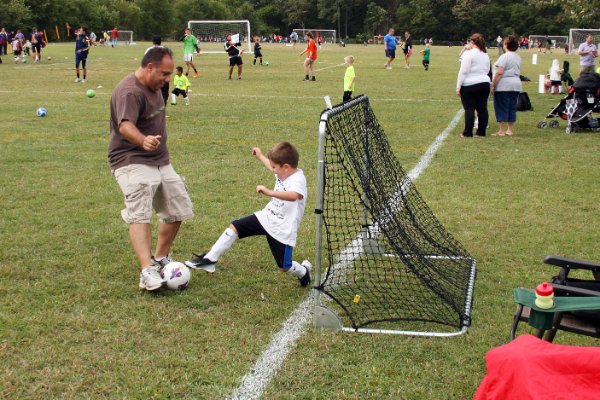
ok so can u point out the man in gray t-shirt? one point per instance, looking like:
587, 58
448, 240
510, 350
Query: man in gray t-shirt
139, 160
587, 54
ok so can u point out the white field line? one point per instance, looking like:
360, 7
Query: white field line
331, 66
236, 95
271, 359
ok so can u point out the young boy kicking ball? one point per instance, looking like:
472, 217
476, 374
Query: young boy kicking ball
278, 221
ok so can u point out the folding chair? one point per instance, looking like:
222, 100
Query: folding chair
577, 303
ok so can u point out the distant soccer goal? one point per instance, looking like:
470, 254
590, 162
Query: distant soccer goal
558, 42
577, 36
384, 263
327, 35
126, 37
211, 34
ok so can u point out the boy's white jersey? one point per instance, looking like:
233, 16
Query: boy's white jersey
281, 218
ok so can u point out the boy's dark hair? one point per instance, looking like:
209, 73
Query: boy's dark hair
84, 29
156, 40
155, 55
180, 69
284, 153
310, 35
512, 44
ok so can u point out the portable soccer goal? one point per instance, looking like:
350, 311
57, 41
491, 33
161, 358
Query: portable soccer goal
211, 34
126, 37
558, 42
577, 36
384, 263
327, 35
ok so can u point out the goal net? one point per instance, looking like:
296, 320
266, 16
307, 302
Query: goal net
558, 42
384, 263
577, 36
126, 37
326, 35
211, 34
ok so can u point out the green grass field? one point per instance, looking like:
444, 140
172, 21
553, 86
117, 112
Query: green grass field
73, 323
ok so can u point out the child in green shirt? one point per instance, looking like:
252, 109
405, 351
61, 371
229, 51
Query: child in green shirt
425, 52
349, 78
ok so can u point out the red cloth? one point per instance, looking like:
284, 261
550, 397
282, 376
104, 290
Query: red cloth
531, 368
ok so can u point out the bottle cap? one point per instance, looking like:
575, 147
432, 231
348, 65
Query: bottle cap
544, 289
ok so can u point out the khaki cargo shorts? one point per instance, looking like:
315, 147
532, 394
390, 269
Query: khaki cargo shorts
148, 187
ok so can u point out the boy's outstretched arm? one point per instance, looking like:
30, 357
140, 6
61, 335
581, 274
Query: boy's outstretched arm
287, 196
256, 152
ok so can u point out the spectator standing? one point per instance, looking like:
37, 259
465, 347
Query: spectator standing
390, 42
114, 37
473, 85
587, 55
506, 86
3, 42
407, 48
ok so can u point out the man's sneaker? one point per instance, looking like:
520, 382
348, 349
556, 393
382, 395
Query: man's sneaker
199, 262
150, 278
83, 80
313, 79
77, 80
305, 280
162, 262
196, 74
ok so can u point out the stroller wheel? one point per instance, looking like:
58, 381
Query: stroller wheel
554, 124
542, 125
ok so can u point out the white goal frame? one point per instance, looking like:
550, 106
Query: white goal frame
555, 39
121, 33
245, 24
574, 46
331, 38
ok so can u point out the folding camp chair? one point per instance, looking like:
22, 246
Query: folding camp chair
577, 303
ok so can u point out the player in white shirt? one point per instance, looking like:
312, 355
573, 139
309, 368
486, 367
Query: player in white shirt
278, 221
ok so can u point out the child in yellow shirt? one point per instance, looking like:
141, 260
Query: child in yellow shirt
349, 78
181, 84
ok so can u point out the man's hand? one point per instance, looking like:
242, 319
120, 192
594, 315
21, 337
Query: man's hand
151, 143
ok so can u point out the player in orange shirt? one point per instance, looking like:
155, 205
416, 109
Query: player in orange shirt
311, 56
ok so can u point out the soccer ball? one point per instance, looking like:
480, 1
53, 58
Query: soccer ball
90, 93
267, 63
24, 61
177, 275
49, 58
41, 112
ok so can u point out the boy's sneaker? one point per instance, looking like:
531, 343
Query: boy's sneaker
196, 74
83, 80
313, 79
199, 262
77, 80
150, 278
305, 280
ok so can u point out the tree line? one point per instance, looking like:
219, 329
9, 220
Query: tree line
443, 20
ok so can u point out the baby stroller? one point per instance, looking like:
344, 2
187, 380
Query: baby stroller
578, 106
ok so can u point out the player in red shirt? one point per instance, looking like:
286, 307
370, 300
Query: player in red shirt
311, 56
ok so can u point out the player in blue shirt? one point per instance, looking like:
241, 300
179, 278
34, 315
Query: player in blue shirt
82, 47
390, 41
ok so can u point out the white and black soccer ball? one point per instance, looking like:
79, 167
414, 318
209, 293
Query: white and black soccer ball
177, 275
41, 112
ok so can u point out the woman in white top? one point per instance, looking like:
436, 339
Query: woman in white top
473, 85
506, 86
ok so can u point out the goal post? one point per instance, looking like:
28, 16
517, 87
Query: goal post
558, 42
577, 36
126, 37
328, 35
211, 34
383, 263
